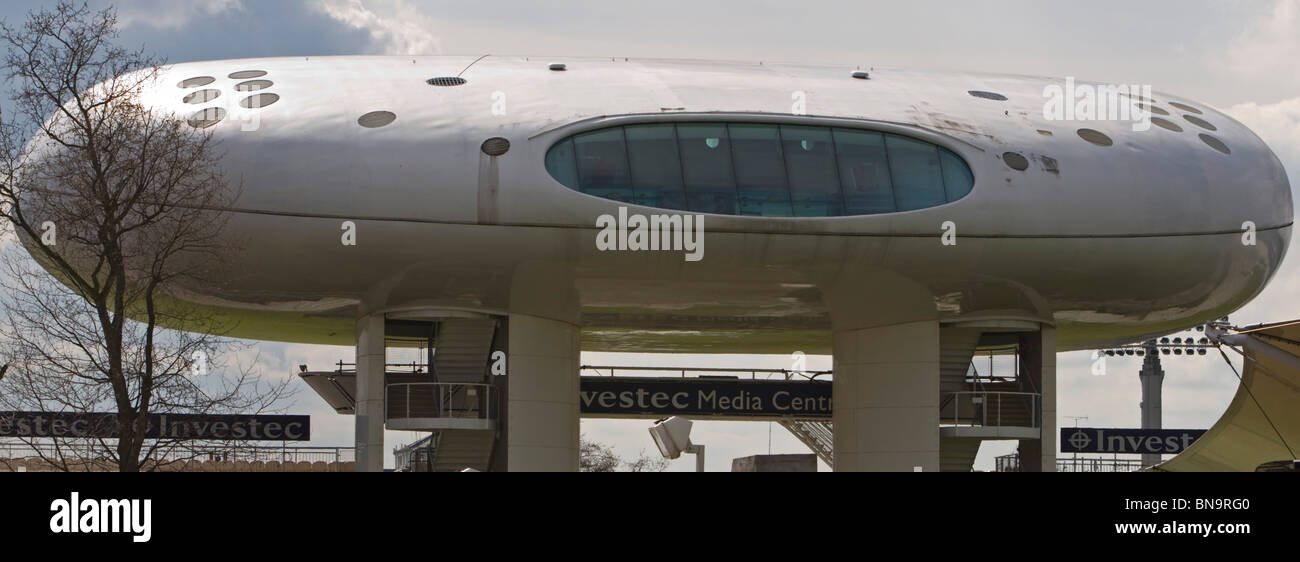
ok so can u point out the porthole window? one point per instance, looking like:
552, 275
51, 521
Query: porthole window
1095, 137
376, 119
760, 169
253, 85
987, 95
1200, 122
196, 82
1185, 107
1166, 124
246, 74
1154, 109
1015, 161
1215, 143
206, 117
258, 100
202, 96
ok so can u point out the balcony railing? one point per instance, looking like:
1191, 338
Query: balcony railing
441, 400
979, 408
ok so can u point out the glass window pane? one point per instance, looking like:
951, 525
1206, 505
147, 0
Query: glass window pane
957, 179
706, 165
656, 168
602, 164
810, 163
760, 170
914, 167
864, 172
560, 164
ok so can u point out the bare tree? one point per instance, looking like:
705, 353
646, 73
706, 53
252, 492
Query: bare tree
597, 457
122, 205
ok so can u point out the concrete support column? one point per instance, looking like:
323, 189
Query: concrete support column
543, 395
886, 393
1038, 365
370, 415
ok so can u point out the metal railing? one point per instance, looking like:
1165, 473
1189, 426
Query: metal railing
413, 367
1011, 463
441, 400
87, 453
702, 371
819, 436
990, 409
417, 456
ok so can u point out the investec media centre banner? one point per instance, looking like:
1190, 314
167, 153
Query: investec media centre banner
161, 426
655, 396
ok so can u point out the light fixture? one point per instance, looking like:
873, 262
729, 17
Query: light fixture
673, 437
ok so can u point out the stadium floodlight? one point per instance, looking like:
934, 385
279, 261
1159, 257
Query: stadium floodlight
673, 437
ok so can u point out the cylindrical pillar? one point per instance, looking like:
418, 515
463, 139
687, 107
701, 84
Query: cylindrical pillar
886, 395
543, 395
1038, 365
370, 415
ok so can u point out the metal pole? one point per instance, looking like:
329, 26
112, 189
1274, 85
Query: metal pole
698, 451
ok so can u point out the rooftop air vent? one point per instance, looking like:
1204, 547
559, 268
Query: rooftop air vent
445, 81
495, 146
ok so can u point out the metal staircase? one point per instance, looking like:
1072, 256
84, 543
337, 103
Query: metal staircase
460, 369
455, 399
956, 347
462, 349
446, 451
819, 436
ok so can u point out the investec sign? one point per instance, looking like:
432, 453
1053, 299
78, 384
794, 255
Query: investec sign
161, 426
724, 397
1150, 441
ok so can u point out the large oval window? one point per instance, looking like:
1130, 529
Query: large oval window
758, 169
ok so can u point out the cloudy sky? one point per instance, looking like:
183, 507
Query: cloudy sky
1239, 56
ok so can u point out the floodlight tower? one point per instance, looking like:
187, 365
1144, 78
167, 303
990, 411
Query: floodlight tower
1152, 374
1152, 377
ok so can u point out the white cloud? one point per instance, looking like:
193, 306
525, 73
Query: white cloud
169, 14
1263, 54
1278, 124
395, 26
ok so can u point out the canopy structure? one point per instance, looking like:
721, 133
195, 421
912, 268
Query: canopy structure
1262, 424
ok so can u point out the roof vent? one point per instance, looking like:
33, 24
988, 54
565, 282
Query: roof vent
558, 66
445, 81
495, 146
